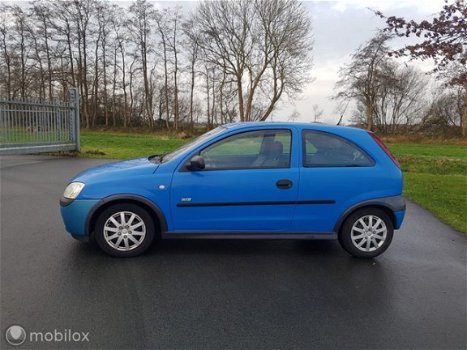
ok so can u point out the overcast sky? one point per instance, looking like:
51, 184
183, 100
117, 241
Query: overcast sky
339, 28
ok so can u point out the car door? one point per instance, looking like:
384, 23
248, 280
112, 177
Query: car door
335, 173
248, 184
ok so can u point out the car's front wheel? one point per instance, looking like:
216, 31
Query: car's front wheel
124, 230
366, 233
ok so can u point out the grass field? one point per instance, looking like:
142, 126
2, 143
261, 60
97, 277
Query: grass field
126, 146
436, 178
435, 174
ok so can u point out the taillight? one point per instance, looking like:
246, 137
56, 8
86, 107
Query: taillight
384, 148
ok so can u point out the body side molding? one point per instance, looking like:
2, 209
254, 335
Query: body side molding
228, 204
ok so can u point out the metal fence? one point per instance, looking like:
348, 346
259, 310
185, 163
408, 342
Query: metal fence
39, 126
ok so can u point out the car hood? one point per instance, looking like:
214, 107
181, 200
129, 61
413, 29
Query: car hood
116, 170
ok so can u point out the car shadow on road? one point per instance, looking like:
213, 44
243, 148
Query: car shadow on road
327, 249
240, 247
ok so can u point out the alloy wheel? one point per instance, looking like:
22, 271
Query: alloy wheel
368, 233
124, 230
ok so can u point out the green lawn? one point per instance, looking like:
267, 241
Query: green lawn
435, 174
436, 178
23, 136
429, 150
125, 146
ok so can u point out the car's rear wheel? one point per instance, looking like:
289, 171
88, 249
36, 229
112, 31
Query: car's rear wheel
366, 233
124, 230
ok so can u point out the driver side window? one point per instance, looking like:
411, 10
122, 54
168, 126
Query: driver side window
250, 150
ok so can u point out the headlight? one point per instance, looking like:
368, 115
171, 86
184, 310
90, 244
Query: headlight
72, 190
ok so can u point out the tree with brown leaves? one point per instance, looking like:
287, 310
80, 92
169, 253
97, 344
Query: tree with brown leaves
444, 39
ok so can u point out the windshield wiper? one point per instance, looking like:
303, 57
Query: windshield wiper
157, 158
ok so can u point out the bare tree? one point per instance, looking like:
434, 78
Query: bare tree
401, 99
173, 45
142, 13
163, 29
42, 13
386, 94
294, 116
192, 41
130, 63
81, 15
20, 48
362, 78
5, 39
65, 32
104, 16
317, 113
263, 46
445, 111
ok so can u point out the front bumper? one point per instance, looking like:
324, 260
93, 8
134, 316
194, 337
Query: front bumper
75, 215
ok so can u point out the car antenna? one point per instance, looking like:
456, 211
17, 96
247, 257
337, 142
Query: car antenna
342, 114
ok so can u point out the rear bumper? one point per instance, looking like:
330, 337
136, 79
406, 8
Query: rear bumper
397, 205
75, 214
399, 217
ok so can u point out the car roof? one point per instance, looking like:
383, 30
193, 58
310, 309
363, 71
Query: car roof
312, 126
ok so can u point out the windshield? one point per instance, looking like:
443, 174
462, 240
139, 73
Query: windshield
192, 144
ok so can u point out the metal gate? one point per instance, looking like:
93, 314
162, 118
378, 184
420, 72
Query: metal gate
33, 127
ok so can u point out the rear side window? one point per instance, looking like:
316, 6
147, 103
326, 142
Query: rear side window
322, 149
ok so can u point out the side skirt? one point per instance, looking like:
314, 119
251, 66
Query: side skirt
246, 235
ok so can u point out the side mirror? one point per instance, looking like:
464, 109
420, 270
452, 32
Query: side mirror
197, 163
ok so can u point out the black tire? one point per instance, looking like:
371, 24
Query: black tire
350, 243
110, 246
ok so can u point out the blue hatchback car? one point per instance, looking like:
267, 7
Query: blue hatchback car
245, 180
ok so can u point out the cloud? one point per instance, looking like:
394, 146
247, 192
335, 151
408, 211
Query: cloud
423, 7
339, 28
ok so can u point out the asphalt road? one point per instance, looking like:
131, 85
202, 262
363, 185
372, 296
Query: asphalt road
222, 294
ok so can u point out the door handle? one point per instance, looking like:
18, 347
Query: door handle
284, 184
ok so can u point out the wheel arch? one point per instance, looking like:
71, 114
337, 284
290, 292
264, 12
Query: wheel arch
389, 205
156, 213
